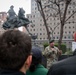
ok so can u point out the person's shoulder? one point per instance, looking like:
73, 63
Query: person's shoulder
55, 47
60, 66
42, 68
47, 47
65, 61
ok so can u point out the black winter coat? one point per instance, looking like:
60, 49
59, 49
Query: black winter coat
9, 72
64, 67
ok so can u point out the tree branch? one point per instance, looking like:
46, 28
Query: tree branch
70, 16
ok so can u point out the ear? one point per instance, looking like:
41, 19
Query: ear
27, 64
28, 61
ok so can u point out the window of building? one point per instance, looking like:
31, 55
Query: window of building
33, 16
57, 37
69, 12
72, 16
33, 20
73, 22
57, 18
69, 22
65, 27
40, 33
73, 31
62, 4
40, 24
73, 26
58, 23
69, 7
35, 8
33, 29
37, 34
69, 32
54, 37
68, 37
40, 29
54, 18
73, 3
40, 39
65, 32
47, 14
65, 37
73, 11
43, 38
50, 19
69, 27
58, 32
30, 29
54, 23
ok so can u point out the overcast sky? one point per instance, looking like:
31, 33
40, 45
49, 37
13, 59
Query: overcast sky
25, 4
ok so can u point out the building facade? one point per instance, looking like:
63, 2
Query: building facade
3, 16
37, 27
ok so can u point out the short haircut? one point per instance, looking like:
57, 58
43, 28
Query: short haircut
15, 47
36, 58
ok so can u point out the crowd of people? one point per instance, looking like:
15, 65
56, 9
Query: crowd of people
19, 57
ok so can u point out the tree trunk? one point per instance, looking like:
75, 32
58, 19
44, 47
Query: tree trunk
62, 24
45, 23
61, 36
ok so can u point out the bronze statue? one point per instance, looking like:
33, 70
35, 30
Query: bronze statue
14, 21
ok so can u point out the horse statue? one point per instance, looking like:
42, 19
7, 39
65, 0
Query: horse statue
14, 21
21, 16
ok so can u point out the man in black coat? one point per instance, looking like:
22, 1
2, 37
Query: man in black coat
64, 67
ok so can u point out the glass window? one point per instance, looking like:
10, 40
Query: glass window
33, 29
57, 37
68, 37
40, 33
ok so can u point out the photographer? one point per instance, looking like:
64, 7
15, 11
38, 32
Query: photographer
51, 53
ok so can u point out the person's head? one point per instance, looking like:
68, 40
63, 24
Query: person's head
11, 7
51, 43
15, 49
36, 58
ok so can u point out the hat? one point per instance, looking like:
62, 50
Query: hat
36, 52
51, 41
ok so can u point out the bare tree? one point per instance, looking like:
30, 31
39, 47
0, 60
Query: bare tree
40, 9
56, 6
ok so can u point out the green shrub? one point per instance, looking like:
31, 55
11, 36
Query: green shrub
45, 45
63, 47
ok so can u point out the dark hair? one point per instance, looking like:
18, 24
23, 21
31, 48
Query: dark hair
51, 41
15, 47
36, 58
